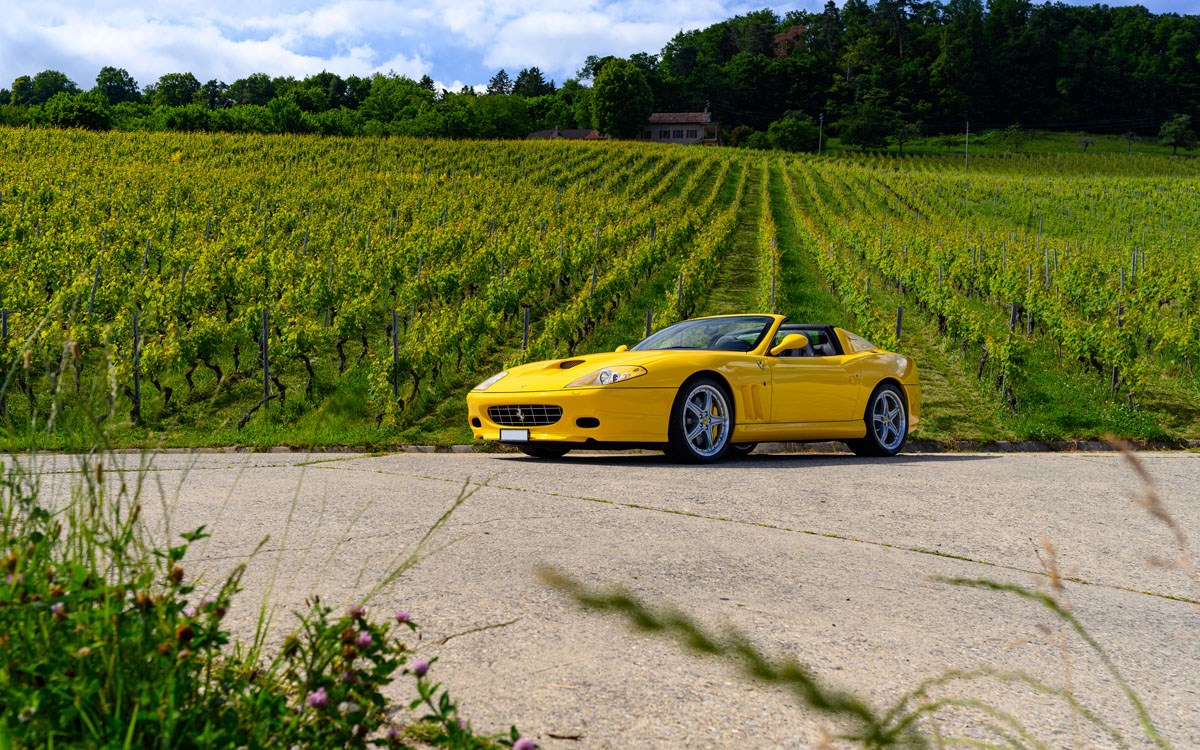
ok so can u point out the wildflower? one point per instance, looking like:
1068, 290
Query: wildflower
184, 633
189, 611
356, 612
318, 698
348, 676
403, 618
363, 639
420, 667
58, 609
347, 707
176, 575
347, 634
393, 734
15, 577
524, 743
83, 652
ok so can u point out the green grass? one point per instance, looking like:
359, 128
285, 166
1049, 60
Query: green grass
994, 142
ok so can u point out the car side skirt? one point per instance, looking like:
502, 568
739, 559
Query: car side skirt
799, 431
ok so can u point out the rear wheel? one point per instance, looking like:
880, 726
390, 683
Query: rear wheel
544, 451
887, 423
701, 422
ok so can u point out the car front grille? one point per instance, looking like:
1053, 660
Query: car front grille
525, 415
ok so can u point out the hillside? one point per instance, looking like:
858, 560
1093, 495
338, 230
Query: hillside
1045, 296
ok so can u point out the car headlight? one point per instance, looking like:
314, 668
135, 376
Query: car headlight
490, 381
608, 376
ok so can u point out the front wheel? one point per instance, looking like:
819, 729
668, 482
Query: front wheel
887, 423
701, 422
543, 451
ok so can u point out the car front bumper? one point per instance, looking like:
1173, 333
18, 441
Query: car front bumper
620, 414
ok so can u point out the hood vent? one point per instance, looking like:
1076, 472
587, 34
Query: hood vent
567, 364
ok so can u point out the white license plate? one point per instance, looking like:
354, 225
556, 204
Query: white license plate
514, 436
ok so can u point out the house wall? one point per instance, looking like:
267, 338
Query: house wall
683, 133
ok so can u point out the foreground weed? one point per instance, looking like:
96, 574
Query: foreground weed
105, 641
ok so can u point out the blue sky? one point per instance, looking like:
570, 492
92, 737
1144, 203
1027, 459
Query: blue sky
455, 42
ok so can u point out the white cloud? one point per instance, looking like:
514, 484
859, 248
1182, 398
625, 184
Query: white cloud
224, 39
216, 44
558, 41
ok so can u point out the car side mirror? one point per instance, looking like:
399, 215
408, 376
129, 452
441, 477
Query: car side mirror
790, 341
621, 348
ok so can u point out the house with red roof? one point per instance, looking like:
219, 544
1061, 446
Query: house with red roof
682, 127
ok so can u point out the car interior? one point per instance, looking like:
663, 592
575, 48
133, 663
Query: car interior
822, 342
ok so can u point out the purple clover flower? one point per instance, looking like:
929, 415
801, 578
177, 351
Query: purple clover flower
524, 743
403, 618
420, 667
363, 639
57, 609
189, 611
318, 698
356, 612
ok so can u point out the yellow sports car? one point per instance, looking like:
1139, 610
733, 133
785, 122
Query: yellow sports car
705, 388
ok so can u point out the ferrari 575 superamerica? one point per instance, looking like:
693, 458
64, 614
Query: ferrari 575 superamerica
705, 388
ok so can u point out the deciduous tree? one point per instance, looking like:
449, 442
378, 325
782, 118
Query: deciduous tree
116, 85
174, 90
1177, 133
621, 99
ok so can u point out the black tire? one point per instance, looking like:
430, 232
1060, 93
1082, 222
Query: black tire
544, 451
886, 419
741, 450
702, 408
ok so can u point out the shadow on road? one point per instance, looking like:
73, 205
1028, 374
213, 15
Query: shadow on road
754, 461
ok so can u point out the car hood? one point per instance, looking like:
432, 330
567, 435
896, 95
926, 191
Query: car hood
557, 373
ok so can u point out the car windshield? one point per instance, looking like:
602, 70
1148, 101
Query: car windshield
735, 334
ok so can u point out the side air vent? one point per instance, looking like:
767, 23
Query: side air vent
567, 364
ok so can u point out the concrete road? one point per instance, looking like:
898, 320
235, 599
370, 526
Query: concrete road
826, 558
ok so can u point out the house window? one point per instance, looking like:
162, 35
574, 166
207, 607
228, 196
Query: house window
664, 134
677, 134
647, 134
691, 134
